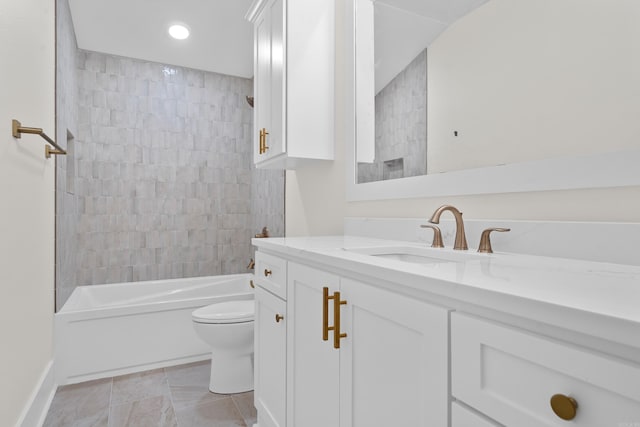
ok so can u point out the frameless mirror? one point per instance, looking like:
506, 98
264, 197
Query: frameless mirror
514, 90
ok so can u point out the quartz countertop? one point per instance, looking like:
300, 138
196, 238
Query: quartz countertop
595, 298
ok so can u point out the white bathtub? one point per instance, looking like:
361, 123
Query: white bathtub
107, 330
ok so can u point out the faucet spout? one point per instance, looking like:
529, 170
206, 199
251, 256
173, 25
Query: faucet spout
461, 238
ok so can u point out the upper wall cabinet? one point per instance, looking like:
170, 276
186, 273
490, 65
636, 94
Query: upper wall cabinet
294, 61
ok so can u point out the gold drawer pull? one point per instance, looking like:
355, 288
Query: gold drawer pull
263, 141
564, 407
267, 272
279, 317
336, 317
337, 302
251, 284
325, 314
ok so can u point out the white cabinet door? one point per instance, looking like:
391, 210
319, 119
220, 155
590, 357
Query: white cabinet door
270, 359
294, 67
269, 80
393, 361
510, 375
261, 79
312, 364
269, 67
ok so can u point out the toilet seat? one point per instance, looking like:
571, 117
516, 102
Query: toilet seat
226, 312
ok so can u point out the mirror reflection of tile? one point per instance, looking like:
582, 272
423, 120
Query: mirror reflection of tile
401, 126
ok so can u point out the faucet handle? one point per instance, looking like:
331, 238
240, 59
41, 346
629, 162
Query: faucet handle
485, 241
437, 235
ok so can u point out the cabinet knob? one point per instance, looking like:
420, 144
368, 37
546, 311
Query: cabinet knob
267, 272
251, 284
564, 407
279, 317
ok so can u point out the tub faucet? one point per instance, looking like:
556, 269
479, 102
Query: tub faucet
265, 233
461, 239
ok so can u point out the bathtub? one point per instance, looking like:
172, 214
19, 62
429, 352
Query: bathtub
107, 330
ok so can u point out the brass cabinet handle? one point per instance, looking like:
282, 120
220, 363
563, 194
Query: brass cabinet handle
251, 284
263, 141
337, 335
564, 407
279, 317
336, 317
267, 272
325, 314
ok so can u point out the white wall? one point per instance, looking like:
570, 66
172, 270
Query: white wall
315, 197
527, 80
27, 208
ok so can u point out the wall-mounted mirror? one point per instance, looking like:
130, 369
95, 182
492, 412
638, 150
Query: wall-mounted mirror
494, 96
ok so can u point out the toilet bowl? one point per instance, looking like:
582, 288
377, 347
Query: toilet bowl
228, 328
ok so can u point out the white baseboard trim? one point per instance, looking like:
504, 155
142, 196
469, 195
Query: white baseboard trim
35, 412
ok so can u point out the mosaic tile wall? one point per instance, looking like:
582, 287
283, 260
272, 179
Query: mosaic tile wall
401, 126
164, 181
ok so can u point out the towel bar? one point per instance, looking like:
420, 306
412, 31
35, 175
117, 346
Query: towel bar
17, 130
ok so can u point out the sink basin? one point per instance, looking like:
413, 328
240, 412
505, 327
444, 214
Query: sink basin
416, 255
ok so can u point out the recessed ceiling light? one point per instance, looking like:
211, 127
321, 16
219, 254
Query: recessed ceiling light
179, 31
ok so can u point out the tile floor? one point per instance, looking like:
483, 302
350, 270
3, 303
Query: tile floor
177, 396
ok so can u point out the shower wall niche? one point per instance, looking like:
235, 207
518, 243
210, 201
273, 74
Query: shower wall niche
163, 184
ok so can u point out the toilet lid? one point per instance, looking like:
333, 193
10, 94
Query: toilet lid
225, 312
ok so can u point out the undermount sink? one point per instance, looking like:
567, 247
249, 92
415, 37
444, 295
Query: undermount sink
416, 255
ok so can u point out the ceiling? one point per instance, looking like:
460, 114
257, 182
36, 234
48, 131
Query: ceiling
221, 39
403, 28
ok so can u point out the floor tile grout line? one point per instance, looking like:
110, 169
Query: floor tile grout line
109, 406
173, 405
235, 404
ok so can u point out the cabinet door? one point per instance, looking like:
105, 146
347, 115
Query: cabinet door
275, 140
510, 375
270, 359
262, 79
394, 360
269, 80
312, 364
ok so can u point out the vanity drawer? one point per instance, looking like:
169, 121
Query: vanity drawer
510, 375
462, 417
271, 274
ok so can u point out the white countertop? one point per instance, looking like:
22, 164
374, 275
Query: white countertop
593, 298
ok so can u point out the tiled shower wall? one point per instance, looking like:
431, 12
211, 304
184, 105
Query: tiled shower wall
164, 184
66, 124
400, 126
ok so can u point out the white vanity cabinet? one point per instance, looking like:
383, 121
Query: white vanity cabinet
294, 57
270, 358
510, 375
391, 367
270, 340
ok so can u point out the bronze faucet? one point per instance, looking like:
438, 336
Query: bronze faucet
437, 236
265, 233
461, 239
485, 241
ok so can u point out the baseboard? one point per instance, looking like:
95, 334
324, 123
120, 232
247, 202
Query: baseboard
35, 412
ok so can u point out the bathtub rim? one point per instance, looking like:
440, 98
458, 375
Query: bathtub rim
156, 306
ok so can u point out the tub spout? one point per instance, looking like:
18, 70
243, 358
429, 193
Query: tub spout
265, 233
252, 264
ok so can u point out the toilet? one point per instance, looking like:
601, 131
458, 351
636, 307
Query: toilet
228, 328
